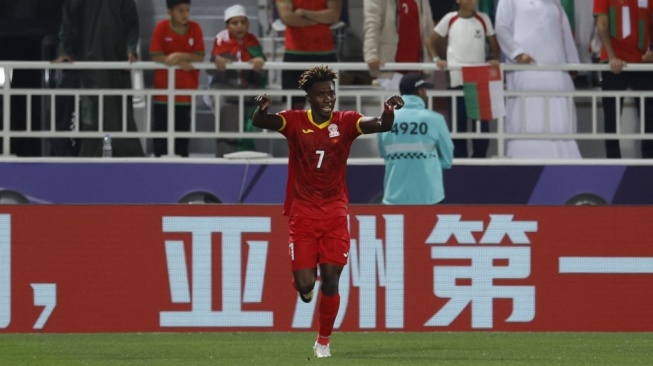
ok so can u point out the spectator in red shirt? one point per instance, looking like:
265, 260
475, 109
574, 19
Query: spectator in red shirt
625, 42
175, 42
308, 37
236, 44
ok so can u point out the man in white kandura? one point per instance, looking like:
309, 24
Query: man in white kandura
538, 32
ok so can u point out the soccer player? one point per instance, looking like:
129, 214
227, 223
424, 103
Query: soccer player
316, 195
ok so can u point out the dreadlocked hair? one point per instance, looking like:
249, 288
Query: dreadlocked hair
316, 75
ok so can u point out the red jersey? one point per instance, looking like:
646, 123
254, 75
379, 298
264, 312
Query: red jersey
167, 40
226, 46
318, 162
232, 49
629, 24
409, 30
312, 39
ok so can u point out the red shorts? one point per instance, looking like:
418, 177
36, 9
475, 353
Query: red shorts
317, 241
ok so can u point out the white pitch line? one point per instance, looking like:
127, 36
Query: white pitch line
606, 264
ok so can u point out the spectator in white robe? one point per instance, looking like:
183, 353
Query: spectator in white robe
538, 32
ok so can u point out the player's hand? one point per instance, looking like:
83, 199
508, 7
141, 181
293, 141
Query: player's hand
394, 102
263, 101
442, 64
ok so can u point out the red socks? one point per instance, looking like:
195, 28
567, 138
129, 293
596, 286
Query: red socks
328, 310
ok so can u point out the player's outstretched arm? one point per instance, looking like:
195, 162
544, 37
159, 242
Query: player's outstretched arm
387, 119
261, 117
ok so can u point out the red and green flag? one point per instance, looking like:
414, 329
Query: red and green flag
483, 89
570, 10
487, 7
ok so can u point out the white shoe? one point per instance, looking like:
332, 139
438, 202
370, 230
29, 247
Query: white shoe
306, 298
321, 351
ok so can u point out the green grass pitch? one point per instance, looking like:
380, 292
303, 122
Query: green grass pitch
378, 349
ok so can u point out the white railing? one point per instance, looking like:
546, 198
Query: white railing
362, 96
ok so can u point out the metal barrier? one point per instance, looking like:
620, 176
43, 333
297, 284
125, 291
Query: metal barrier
361, 96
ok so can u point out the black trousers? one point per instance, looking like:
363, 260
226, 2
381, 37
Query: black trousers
479, 146
160, 124
626, 80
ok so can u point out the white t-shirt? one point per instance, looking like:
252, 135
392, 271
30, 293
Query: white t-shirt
466, 41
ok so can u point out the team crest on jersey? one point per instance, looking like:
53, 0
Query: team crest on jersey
333, 130
191, 42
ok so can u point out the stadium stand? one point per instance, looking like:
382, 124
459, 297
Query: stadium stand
365, 98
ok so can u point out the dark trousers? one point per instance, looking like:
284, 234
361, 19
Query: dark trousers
479, 146
65, 116
636, 81
160, 124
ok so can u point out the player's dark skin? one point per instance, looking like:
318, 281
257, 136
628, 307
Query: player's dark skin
322, 98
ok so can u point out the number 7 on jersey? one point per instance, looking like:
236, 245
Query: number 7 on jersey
319, 162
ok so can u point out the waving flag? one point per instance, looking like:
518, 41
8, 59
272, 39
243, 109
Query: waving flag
483, 89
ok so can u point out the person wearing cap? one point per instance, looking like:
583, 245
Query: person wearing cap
236, 44
177, 41
416, 149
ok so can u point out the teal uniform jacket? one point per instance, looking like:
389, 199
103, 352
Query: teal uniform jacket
415, 151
